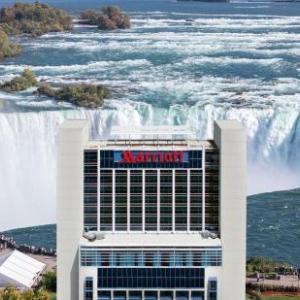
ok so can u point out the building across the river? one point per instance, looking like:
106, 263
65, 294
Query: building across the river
151, 218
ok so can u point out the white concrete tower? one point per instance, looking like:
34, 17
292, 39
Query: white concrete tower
230, 138
72, 139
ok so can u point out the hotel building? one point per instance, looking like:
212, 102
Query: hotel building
148, 219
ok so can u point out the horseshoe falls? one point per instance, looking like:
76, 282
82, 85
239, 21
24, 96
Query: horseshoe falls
181, 63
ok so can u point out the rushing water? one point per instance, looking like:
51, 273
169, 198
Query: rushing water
180, 63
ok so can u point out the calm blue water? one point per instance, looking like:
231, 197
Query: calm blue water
273, 228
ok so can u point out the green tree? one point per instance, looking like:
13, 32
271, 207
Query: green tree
7, 49
109, 18
20, 83
48, 281
34, 19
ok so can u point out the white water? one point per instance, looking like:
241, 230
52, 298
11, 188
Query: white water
28, 147
170, 68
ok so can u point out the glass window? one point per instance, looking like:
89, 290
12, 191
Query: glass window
90, 189
88, 288
156, 258
150, 295
121, 200
166, 295
182, 295
135, 295
212, 289
150, 278
106, 200
119, 295
196, 295
104, 295
166, 200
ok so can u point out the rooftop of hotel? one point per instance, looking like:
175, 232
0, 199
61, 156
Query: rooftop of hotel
141, 144
151, 137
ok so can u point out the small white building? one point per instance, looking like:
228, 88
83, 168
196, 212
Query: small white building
19, 270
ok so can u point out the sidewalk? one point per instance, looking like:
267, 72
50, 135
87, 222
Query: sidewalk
285, 280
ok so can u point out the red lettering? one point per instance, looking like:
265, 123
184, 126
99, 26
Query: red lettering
175, 156
151, 156
140, 158
154, 157
168, 157
147, 157
127, 157
161, 157
181, 153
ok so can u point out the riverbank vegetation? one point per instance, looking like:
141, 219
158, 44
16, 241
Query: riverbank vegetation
7, 49
109, 18
83, 95
33, 19
11, 293
20, 83
266, 265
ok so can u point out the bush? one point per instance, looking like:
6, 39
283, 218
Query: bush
20, 83
7, 49
47, 90
84, 95
109, 18
265, 265
48, 281
11, 293
34, 19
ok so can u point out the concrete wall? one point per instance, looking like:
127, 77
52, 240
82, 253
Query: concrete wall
230, 137
72, 138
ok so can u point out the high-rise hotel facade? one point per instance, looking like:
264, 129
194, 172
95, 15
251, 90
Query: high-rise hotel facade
151, 219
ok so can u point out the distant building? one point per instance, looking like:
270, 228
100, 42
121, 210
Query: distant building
149, 219
19, 270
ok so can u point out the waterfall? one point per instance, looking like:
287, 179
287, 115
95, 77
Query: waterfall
28, 149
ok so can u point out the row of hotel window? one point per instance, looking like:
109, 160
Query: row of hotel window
147, 258
143, 278
150, 295
151, 200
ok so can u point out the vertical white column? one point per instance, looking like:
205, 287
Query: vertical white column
72, 139
143, 201
113, 200
230, 138
173, 200
188, 200
203, 189
98, 191
128, 200
158, 200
